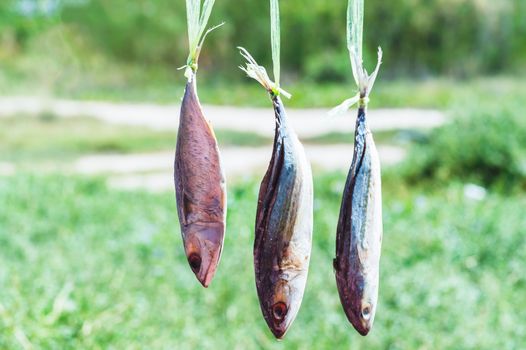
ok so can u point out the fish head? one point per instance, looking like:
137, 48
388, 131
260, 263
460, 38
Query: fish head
284, 303
203, 244
363, 308
365, 317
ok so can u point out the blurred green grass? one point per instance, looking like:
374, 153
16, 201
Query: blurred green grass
105, 80
85, 266
438, 93
483, 143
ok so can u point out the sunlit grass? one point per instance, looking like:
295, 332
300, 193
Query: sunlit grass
124, 82
430, 93
84, 266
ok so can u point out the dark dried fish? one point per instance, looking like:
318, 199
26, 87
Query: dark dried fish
200, 188
359, 233
282, 245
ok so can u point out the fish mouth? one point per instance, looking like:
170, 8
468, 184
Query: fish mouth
279, 330
203, 250
360, 318
206, 278
203, 274
203, 266
279, 333
363, 321
363, 329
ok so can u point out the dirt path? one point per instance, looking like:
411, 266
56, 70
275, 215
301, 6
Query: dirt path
307, 122
7, 169
154, 171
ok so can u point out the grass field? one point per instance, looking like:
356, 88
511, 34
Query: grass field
88, 267
431, 93
152, 84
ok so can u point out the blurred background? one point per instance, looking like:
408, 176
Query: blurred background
90, 249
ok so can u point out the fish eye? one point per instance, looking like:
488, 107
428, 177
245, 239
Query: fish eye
366, 312
195, 262
279, 310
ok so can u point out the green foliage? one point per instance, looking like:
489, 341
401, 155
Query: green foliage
328, 66
419, 37
138, 31
87, 267
485, 144
22, 21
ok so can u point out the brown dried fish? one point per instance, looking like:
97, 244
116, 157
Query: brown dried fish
283, 239
200, 188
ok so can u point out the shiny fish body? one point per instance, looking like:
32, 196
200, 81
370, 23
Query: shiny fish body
359, 232
283, 239
200, 189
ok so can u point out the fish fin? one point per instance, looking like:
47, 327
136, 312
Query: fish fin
335, 264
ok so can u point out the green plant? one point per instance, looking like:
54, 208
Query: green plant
484, 143
418, 36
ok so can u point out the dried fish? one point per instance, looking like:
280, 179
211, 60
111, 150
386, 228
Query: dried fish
359, 232
283, 240
199, 179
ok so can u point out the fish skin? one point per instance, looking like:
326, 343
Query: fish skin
283, 239
200, 188
359, 233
